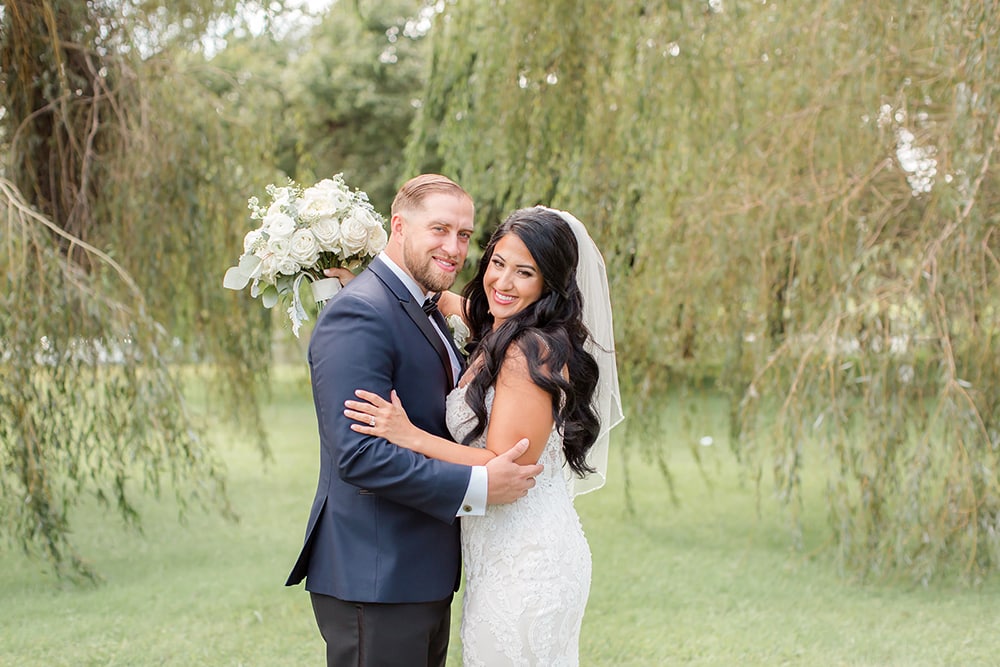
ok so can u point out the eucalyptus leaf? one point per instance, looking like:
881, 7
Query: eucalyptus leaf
284, 283
269, 296
250, 263
236, 278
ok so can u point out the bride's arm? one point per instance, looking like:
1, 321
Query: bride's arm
392, 423
452, 304
521, 409
343, 275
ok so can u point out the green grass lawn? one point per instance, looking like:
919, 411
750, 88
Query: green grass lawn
708, 582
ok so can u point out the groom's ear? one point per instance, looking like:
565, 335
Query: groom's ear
396, 223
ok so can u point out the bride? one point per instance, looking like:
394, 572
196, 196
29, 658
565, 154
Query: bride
542, 367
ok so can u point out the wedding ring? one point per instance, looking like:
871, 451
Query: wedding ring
371, 421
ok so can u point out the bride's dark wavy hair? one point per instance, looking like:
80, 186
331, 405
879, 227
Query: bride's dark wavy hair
550, 332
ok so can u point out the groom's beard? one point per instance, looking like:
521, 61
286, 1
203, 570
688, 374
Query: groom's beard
426, 272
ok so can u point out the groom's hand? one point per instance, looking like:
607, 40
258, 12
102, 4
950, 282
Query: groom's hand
507, 480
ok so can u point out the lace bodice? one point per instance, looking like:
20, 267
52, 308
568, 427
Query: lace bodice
527, 565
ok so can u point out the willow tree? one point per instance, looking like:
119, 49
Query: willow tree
796, 200
124, 186
340, 94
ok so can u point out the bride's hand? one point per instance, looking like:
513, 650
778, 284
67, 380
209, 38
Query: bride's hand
380, 417
343, 275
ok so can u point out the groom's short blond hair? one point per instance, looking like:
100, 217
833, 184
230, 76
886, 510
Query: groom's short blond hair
414, 191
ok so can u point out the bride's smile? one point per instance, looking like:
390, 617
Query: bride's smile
503, 298
512, 280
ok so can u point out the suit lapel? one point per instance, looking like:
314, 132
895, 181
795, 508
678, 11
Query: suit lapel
416, 313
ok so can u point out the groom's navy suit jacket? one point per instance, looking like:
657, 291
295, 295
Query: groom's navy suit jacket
382, 526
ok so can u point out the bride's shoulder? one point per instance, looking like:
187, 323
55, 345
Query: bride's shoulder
533, 348
537, 344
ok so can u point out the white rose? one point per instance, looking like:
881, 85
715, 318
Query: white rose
377, 241
354, 234
288, 266
303, 247
279, 247
280, 199
252, 240
278, 225
281, 254
327, 233
268, 268
372, 219
279, 196
323, 200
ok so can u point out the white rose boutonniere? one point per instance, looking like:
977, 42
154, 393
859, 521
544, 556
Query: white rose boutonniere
459, 332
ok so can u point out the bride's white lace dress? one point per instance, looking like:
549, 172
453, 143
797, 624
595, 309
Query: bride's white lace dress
527, 566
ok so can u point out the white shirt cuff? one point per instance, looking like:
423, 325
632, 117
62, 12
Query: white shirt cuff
474, 503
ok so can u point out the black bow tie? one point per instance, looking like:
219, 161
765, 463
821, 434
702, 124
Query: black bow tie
431, 304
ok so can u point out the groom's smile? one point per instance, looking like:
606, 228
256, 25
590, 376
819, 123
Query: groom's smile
447, 265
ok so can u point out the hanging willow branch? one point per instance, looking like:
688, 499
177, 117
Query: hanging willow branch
88, 402
122, 198
798, 207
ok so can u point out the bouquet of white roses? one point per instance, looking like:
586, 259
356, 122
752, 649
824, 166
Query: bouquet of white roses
302, 232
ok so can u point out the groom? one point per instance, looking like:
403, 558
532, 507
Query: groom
382, 557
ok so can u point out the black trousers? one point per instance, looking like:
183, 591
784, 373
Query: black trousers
369, 634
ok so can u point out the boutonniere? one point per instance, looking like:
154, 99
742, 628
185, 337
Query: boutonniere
459, 332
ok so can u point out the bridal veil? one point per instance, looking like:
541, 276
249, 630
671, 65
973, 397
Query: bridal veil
592, 279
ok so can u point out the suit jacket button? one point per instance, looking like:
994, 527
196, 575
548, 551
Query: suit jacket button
466, 508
